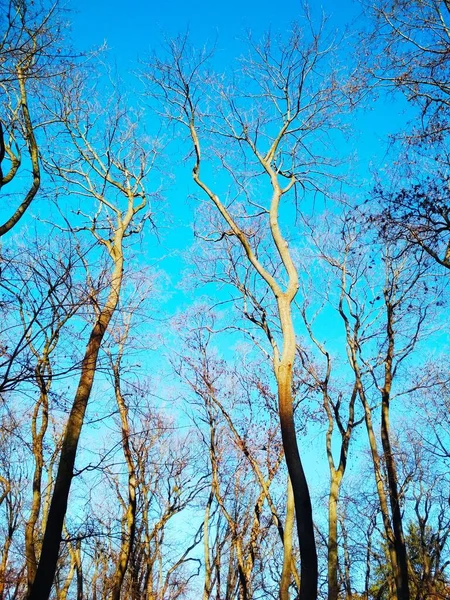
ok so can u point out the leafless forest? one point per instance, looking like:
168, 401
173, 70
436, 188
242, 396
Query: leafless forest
255, 404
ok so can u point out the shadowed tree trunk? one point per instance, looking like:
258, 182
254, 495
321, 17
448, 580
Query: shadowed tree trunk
401, 575
42, 584
99, 172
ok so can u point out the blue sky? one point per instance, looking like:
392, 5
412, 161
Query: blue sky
131, 28
131, 32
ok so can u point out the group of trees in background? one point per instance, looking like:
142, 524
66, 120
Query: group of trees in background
285, 432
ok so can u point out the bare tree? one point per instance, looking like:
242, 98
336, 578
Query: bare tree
266, 132
63, 301
108, 166
30, 56
12, 480
166, 485
207, 377
410, 50
400, 303
411, 42
340, 414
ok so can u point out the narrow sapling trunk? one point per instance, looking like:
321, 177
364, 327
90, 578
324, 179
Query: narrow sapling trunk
333, 563
353, 344
376, 460
129, 519
401, 573
37, 439
208, 570
286, 573
337, 472
336, 477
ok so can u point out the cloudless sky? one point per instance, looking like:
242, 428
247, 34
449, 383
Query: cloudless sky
131, 28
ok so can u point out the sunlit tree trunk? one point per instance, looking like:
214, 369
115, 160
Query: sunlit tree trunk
129, 525
37, 440
286, 573
308, 571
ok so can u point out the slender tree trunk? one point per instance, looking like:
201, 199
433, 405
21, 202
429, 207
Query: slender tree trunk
376, 461
336, 477
43, 582
380, 487
333, 564
37, 437
65, 588
3, 564
231, 575
130, 516
347, 578
265, 484
207, 586
369, 557
77, 557
401, 576
243, 582
286, 573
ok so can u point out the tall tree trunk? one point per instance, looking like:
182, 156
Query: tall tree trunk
4, 564
303, 508
347, 563
43, 581
336, 477
402, 575
390, 536
283, 366
376, 460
